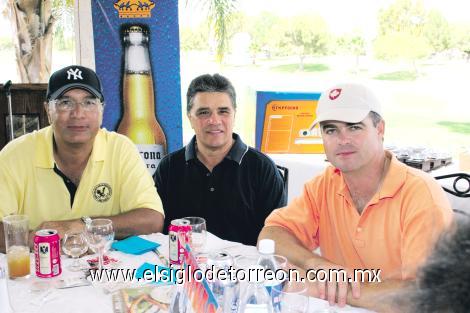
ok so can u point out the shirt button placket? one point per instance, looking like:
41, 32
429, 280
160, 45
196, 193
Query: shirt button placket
359, 237
209, 176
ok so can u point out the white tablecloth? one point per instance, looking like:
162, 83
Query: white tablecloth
91, 299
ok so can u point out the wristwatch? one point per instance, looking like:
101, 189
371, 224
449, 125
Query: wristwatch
86, 219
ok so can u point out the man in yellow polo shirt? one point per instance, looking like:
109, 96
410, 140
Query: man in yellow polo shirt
74, 170
366, 212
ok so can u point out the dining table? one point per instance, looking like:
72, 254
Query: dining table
70, 292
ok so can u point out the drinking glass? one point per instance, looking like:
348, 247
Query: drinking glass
198, 233
16, 230
74, 245
99, 235
293, 297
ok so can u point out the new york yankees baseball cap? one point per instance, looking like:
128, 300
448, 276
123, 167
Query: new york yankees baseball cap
71, 77
347, 102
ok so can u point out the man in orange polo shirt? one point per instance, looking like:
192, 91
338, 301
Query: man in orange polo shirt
367, 211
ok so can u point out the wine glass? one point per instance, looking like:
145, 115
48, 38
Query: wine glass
292, 296
198, 233
292, 293
99, 234
74, 245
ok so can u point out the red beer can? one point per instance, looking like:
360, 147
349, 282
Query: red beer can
179, 233
47, 253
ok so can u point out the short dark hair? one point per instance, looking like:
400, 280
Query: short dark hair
375, 117
444, 281
209, 83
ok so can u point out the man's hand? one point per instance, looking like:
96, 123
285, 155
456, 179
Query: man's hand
334, 287
63, 226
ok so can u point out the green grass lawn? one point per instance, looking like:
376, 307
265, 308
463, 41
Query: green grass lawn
456, 127
398, 76
309, 67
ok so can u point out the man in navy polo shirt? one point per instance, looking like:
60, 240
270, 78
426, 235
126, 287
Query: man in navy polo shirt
216, 176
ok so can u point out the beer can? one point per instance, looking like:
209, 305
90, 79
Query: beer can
179, 233
47, 253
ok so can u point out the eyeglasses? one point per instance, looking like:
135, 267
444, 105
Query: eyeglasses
67, 104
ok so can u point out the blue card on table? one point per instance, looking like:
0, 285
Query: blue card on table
135, 245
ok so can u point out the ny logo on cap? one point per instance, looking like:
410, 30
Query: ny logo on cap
335, 93
77, 74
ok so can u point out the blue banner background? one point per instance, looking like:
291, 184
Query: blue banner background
164, 56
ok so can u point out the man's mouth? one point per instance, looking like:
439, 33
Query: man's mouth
345, 153
77, 128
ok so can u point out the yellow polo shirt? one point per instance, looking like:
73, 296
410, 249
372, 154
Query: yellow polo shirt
114, 181
394, 233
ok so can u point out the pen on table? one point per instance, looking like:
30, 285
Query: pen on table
161, 257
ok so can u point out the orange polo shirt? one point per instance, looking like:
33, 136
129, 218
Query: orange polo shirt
394, 233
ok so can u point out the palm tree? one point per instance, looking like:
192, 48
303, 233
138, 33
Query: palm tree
219, 15
32, 24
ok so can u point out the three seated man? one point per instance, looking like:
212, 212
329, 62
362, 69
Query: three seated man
366, 211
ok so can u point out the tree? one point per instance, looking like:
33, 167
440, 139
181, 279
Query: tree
401, 45
194, 38
354, 45
401, 32
461, 34
64, 25
402, 16
219, 17
306, 35
437, 31
32, 23
266, 32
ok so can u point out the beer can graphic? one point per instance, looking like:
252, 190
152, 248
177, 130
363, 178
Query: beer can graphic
47, 253
179, 232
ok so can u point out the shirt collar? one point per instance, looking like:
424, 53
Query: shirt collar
236, 153
394, 179
45, 148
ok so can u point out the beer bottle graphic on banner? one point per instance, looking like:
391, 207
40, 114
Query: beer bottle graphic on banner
139, 121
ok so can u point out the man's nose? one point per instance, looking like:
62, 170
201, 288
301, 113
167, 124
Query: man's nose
214, 118
343, 137
77, 110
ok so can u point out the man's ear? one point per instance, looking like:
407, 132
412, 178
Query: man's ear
190, 120
381, 128
46, 108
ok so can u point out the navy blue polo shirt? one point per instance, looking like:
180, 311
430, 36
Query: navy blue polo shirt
235, 198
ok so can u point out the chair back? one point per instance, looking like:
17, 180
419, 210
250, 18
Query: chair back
284, 171
456, 190
458, 194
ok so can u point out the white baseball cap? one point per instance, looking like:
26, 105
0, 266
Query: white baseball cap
348, 102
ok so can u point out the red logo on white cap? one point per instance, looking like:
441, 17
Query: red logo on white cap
335, 93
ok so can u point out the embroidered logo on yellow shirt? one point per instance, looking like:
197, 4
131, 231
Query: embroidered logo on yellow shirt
102, 192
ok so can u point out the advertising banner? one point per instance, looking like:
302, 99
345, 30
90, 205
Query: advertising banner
137, 59
284, 122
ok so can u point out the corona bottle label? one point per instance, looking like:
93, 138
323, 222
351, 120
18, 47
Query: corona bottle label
139, 121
